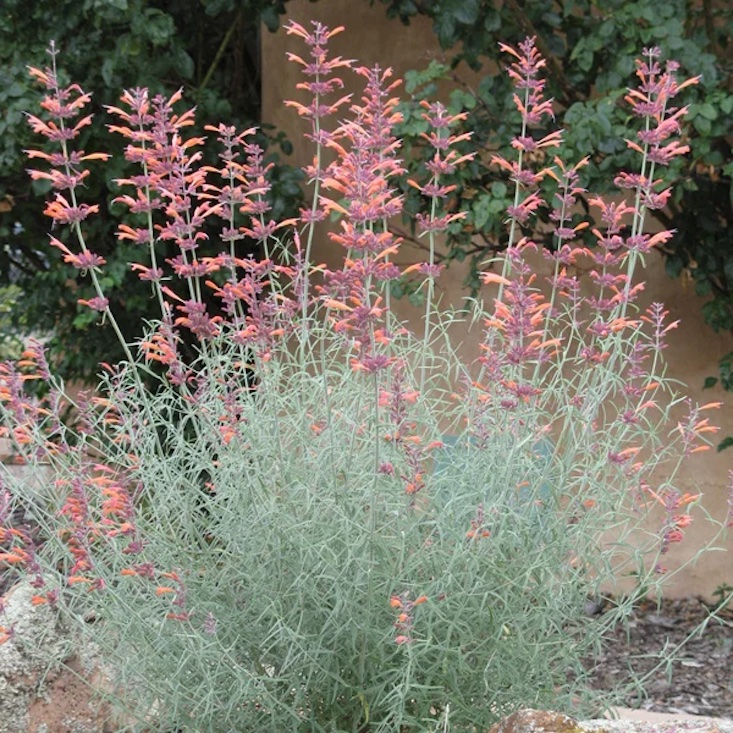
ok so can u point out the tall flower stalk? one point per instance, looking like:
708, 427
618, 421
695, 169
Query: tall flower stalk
63, 106
533, 107
442, 165
321, 81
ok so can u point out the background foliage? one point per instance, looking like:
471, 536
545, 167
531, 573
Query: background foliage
590, 47
208, 47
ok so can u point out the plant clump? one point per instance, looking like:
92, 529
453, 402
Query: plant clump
324, 520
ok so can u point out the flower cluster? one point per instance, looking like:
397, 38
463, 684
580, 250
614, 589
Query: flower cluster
533, 108
405, 616
521, 335
321, 81
64, 105
395, 400
361, 177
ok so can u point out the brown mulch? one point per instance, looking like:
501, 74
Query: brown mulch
698, 680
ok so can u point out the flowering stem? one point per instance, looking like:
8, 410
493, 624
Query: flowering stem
314, 210
506, 265
93, 274
429, 294
151, 229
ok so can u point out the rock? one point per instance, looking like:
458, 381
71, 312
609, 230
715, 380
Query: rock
665, 724
47, 678
665, 622
537, 721
542, 721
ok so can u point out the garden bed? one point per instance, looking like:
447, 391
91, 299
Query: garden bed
698, 682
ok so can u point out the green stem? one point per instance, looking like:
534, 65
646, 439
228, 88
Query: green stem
311, 225
372, 537
429, 294
220, 52
506, 266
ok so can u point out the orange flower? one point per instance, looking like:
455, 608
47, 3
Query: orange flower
492, 277
16, 556
74, 579
178, 616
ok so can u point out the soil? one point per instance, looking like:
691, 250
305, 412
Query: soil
699, 678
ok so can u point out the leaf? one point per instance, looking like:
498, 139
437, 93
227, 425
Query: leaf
286, 146
159, 27
466, 11
271, 18
728, 269
432, 72
582, 55
108, 71
16, 89
481, 211
710, 382
708, 111
457, 254
461, 101
41, 187
416, 298
702, 287
725, 443
498, 206
577, 49
445, 29
702, 125
492, 21
674, 266
183, 63
396, 289
499, 189
129, 45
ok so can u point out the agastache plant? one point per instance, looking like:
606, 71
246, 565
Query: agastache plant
250, 525
527, 335
361, 178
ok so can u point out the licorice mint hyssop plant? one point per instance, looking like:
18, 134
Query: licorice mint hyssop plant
324, 521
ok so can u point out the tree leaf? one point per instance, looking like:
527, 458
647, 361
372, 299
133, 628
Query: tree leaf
725, 443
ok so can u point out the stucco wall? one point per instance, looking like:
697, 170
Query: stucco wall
694, 348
